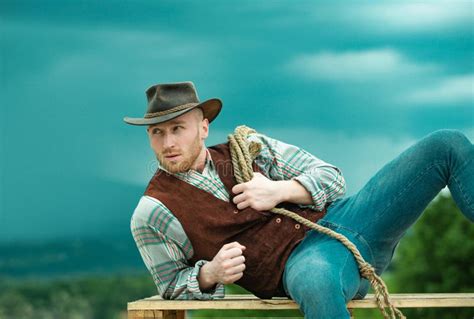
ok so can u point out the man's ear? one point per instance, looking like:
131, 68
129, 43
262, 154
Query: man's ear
205, 128
148, 134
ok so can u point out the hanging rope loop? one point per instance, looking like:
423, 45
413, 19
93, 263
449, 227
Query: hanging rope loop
243, 154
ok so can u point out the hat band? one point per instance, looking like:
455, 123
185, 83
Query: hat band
172, 110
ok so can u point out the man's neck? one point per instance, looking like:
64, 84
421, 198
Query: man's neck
200, 162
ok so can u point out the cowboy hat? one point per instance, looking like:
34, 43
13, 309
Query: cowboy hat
169, 100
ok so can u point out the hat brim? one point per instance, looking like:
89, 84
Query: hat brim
211, 108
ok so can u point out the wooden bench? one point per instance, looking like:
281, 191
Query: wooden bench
155, 307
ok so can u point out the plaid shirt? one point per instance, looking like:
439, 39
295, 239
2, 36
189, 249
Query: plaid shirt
160, 237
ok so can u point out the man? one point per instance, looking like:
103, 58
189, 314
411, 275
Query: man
197, 229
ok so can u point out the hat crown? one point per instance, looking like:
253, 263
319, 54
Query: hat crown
169, 100
162, 97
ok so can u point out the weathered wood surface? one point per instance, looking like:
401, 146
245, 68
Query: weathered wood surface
250, 302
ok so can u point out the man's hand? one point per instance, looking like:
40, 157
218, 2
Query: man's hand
226, 267
260, 193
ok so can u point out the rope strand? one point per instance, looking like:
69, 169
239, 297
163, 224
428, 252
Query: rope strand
243, 153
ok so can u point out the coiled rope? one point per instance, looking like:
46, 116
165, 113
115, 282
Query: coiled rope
243, 154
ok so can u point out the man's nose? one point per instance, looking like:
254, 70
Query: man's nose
168, 141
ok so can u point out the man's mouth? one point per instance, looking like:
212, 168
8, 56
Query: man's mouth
174, 156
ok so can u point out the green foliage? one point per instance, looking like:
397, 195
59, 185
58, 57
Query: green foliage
79, 298
437, 255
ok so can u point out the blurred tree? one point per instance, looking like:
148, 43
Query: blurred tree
15, 305
436, 255
92, 297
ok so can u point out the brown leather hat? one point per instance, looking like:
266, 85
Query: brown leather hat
169, 100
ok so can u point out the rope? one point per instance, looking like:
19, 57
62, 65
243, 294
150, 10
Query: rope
243, 153
172, 110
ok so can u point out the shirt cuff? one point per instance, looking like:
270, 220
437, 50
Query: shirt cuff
193, 285
319, 197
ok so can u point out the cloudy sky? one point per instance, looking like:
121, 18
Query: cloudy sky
355, 83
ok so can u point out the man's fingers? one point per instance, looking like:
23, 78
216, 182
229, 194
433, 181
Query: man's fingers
232, 262
232, 245
239, 188
233, 252
235, 261
243, 205
235, 270
239, 198
238, 268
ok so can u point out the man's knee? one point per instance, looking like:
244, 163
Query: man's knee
318, 294
442, 144
448, 139
316, 285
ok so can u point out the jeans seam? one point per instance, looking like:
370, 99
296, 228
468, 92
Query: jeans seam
342, 273
453, 176
414, 180
462, 192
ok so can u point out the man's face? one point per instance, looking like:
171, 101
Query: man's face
177, 143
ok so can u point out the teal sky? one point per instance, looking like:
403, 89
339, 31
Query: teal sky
352, 82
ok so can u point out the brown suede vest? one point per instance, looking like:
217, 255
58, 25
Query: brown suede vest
210, 223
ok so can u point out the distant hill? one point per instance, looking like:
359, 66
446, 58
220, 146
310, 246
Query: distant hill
70, 258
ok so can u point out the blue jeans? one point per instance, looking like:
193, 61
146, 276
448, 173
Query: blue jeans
321, 275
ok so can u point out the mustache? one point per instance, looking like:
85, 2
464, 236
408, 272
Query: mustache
166, 153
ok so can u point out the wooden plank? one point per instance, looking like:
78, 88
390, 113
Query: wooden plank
145, 314
439, 300
156, 314
254, 303
173, 314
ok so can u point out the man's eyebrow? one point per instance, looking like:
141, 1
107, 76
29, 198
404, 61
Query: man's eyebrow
177, 122
170, 122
